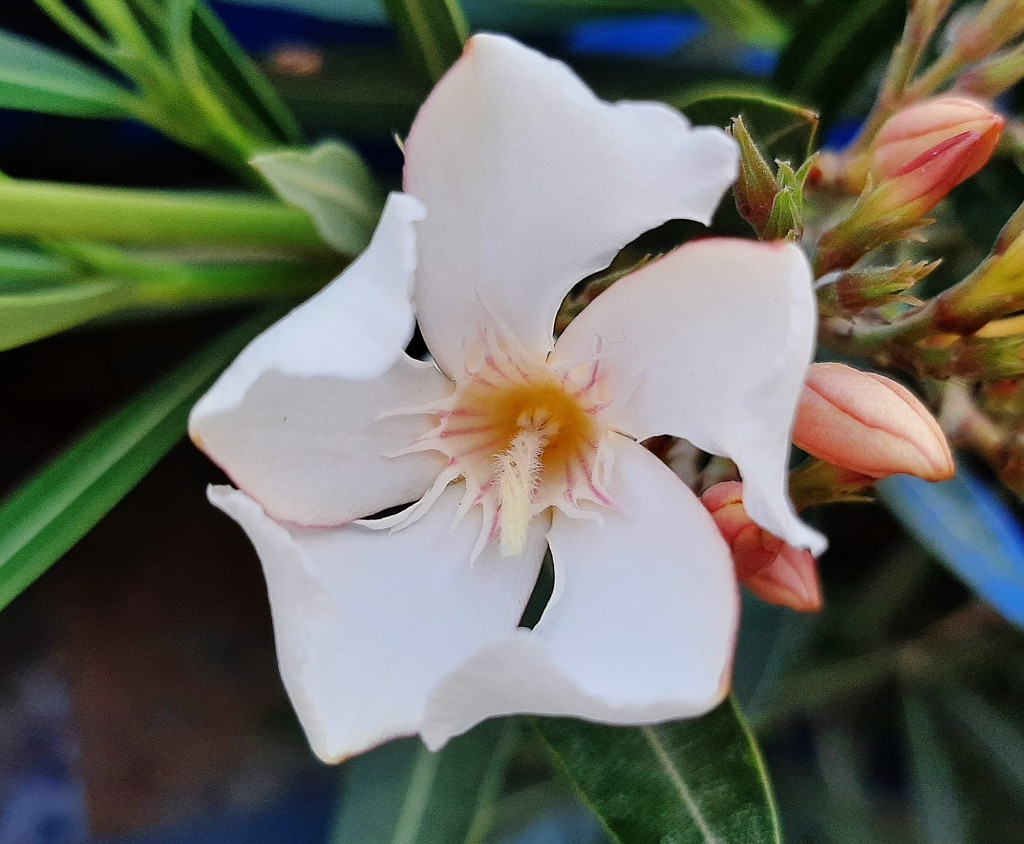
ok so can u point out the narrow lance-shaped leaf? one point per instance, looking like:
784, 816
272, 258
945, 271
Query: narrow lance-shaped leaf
404, 794
701, 781
239, 72
936, 793
60, 504
432, 32
24, 264
782, 129
29, 316
994, 735
37, 78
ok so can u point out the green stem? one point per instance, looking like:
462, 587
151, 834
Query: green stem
78, 29
942, 70
862, 338
70, 212
922, 22
232, 284
121, 24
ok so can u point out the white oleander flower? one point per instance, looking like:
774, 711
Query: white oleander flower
510, 443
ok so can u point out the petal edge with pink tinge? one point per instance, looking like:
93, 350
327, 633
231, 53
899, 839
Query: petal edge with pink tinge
641, 626
712, 343
368, 622
532, 183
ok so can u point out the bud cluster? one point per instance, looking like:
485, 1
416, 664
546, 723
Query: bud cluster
859, 427
863, 214
918, 157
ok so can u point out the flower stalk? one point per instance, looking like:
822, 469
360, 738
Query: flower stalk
59, 211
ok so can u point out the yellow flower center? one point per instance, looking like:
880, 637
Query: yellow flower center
524, 437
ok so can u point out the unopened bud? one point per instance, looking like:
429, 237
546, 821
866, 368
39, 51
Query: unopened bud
755, 187
771, 201
994, 289
765, 564
855, 290
916, 130
896, 206
919, 185
791, 579
869, 424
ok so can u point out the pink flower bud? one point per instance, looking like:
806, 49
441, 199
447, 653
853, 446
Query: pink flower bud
916, 130
869, 424
791, 580
771, 569
920, 185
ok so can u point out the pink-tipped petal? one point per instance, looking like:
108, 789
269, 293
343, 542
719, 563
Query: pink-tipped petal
771, 569
356, 327
913, 131
531, 183
641, 625
368, 622
711, 343
790, 580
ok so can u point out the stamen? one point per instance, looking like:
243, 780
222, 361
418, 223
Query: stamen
523, 435
516, 471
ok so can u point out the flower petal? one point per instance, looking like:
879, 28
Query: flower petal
531, 183
367, 622
356, 327
712, 343
641, 626
313, 451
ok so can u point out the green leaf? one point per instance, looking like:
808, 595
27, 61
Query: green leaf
37, 78
935, 790
404, 794
834, 47
701, 781
200, 44
239, 72
432, 32
782, 129
22, 264
992, 733
25, 317
750, 19
333, 185
60, 504
770, 640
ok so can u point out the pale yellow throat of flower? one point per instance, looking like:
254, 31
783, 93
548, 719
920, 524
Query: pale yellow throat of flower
525, 437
